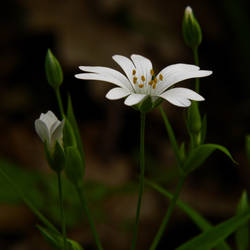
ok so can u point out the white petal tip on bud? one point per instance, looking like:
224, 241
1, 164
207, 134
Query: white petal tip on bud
188, 10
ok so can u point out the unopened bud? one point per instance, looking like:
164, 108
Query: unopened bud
53, 70
191, 29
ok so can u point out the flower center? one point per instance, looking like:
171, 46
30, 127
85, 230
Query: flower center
141, 80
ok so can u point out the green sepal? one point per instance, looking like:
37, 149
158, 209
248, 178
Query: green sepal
242, 234
53, 70
72, 120
147, 105
56, 159
68, 135
199, 155
56, 239
247, 145
75, 167
191, 29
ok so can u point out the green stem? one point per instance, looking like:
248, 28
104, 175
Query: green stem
83, 201
196, 61
171, 137
169, 212
59, 100
63, 223
141, 184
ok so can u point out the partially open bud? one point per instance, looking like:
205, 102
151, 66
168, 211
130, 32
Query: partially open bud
191, 29
50, 130
53, 70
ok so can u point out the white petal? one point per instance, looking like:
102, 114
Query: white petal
57, 133
179, 72
143, 66
134, 99
117, 93
181, 96
100, 77
108, 71
49, 119
126, 65
42, 130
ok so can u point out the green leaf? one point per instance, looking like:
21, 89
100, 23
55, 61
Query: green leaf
242, 234
200, 221
209, 239
21, 193
247, 145
203, 129
53, 70
72, 120
56, 239
199, 155
74, 166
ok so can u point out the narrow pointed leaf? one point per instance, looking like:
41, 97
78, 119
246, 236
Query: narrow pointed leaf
199, 155
242, 234
210, 238
72, 120
29, 204
200, 221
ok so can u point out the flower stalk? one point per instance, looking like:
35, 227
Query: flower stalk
141, 182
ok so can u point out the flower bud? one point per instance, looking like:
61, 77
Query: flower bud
53, 70
50, 130
74, 166
191, 29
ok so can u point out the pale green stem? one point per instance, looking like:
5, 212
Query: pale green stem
83, 201
168, 213
63, 223
141, 183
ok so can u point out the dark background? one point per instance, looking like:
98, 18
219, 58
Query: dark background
89, 33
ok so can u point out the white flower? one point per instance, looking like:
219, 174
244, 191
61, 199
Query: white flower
140, 80
50, 129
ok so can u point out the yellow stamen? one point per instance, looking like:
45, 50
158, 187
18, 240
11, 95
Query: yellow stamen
154, 85
152, 72
150, 83
161, 77
134, 72
143, 78
141, 85
135, 80
155, 81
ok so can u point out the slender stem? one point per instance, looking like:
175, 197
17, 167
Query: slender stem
171, 136
196, 61
63, 223
90, 220
59, 100
141, 184
169, 212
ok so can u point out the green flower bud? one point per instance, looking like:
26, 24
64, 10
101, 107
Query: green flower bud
74, 166
53, 70
191, 29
